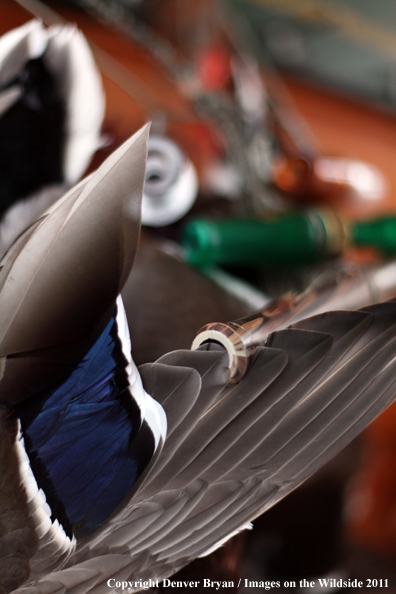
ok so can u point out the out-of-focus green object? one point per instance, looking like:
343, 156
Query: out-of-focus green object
379, 234
286, 240
283, 241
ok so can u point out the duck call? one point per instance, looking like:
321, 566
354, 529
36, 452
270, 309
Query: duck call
296, 238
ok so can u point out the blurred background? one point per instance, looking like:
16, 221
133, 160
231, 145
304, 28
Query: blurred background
271, 172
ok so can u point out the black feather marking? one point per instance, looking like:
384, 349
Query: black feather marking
31, 136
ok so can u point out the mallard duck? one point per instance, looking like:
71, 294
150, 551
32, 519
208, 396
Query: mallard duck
114, 477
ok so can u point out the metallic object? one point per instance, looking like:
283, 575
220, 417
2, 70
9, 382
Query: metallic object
349, 291
171, 185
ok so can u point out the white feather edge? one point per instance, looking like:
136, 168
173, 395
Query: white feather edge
150, 409
220, 543
70, 59
51, 534
20, 45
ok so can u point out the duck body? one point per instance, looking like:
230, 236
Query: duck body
51, 111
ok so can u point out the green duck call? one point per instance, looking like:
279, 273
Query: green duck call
297, 238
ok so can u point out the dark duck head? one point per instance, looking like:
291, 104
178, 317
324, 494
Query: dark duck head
111, 474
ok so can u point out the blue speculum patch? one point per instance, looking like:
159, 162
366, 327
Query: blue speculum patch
80, 442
